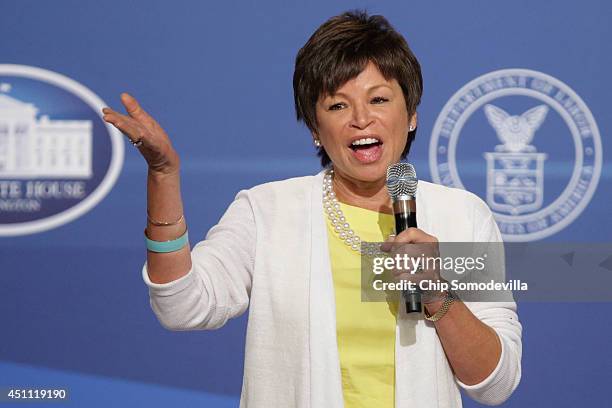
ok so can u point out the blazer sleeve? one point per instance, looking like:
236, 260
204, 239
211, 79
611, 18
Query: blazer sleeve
503, 319
218, 285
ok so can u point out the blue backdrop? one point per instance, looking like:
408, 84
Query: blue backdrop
74, 311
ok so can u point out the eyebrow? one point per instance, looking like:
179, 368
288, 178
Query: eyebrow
370, 89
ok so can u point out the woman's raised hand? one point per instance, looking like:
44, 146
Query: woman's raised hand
146, 134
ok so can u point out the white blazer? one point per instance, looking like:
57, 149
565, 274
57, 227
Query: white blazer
270, 251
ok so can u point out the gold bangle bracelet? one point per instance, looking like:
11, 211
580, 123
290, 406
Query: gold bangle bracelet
161, 223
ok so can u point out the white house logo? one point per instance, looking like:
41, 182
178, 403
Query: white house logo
58, 159
529, 144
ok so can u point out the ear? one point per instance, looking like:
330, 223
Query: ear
315, 135
413, 121
315, 139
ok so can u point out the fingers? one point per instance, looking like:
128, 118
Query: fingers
413, 236
134, 109
388, 244
128, 126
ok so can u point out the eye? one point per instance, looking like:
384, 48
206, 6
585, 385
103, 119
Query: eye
336, 106
379, 99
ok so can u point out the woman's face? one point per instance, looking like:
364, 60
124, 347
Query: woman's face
364, 126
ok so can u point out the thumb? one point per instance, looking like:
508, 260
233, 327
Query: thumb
388, 244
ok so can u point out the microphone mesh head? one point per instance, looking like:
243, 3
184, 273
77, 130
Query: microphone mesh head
401, 180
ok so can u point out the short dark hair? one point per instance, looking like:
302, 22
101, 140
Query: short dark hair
339, 51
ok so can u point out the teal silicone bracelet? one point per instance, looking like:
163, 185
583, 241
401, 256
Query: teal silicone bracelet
167, 246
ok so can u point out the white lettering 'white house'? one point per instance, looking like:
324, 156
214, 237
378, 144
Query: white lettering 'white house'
58, 158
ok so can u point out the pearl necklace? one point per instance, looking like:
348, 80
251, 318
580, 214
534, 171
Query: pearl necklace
342, 228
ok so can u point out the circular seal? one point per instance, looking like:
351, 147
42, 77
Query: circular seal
529, 144
58, 158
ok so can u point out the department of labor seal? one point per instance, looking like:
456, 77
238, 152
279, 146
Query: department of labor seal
58, 158
524, 141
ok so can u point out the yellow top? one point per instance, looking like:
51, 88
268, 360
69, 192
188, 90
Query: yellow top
365, 330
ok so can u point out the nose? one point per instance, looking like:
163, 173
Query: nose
361, 117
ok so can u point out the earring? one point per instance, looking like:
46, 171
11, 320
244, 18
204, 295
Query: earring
411, 128
317, 142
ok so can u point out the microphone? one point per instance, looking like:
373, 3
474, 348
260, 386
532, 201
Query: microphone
402, 186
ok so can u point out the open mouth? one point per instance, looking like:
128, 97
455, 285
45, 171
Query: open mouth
367, 149
365, 143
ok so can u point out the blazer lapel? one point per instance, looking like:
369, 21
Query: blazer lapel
325, 378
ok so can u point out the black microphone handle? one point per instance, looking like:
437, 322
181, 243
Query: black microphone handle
405, 217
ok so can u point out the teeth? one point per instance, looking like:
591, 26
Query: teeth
365, 141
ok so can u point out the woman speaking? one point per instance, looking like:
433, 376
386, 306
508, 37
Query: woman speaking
290, 250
